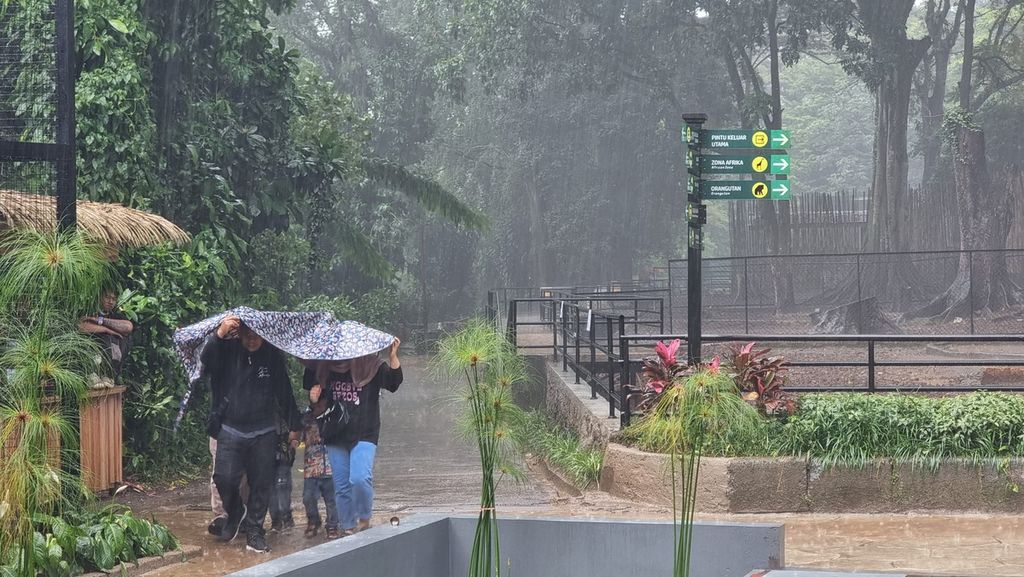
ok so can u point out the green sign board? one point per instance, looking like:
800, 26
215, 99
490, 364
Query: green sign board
781, 190
735, 189
745, 189
760, 164
733, 139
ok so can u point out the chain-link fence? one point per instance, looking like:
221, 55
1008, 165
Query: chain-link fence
938, 293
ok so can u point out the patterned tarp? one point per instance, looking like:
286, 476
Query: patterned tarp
305, 335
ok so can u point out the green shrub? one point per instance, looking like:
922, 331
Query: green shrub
560, 448
93, 541
166, 287
855, 428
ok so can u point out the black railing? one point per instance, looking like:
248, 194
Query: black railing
583, 332
871, 362
604, 348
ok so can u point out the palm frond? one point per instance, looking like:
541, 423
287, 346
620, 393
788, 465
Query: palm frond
359, 249
66, 269
425, 191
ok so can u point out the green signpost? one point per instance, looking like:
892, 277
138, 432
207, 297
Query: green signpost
760, 164
735, 189
717, 152
732, 139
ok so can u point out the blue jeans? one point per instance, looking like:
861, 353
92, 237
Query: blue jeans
312, 489
353, 481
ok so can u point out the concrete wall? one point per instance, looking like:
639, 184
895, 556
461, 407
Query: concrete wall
597, 548
425, 546
798, 485
416, 548
570, 404
784, 485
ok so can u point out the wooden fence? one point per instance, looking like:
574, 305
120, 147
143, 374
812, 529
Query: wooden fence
835, 222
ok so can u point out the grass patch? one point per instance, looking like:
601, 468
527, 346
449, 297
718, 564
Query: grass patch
856, 428
561, 449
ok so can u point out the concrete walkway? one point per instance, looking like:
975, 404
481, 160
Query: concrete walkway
423, 467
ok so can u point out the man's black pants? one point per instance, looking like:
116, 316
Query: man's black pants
255, 458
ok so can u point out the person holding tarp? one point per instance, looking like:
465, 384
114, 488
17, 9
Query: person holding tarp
316, 337
346, 396
254, 390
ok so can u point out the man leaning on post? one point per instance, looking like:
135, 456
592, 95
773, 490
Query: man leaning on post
251, 391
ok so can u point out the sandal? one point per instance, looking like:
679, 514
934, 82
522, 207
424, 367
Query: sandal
332, 533
311, 531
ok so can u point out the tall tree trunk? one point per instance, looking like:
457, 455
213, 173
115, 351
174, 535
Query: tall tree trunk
782, 243
982, 284
894, 58
887, 211
934, 78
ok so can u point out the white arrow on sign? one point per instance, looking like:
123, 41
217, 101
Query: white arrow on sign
780, 188
781, 139
781, 164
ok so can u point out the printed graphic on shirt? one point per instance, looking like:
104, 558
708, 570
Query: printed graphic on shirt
346, 392
263, 373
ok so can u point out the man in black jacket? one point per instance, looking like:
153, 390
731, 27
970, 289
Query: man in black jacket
251, 392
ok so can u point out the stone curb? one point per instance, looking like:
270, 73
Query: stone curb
147, 564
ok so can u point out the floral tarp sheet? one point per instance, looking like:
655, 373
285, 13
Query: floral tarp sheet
305, 335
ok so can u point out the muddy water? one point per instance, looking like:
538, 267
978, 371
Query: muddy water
423, 467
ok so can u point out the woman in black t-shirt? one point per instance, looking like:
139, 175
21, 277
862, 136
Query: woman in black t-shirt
357, 385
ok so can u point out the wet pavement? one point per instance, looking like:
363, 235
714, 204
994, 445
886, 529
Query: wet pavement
422, 466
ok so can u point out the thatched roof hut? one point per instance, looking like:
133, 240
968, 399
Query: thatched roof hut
111, 224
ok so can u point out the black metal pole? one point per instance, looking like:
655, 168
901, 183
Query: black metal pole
593, 355
970, 286
671, 320
695, 241
871, 366
554, 331
67, 216
565, 337
624, 379
576, 340
746, 297
611, 368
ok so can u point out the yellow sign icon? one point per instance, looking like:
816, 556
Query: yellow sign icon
759, 164
759, 139
759, 190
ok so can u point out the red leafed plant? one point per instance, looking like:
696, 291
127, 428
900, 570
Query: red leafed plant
661, 373
760, 378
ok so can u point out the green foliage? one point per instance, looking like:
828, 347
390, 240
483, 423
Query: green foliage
853, 429
702, 411
165, 288
95, 541
47, 282
280, 285
485, 368
426, 192
560, 448
377, 308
